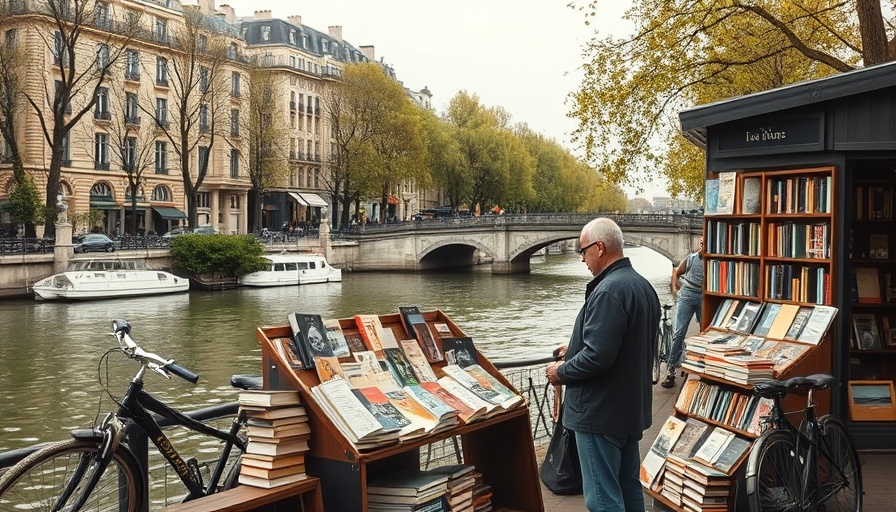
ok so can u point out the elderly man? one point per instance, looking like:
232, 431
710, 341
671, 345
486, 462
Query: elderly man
607, 371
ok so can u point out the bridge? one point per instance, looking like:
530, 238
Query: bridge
508, 241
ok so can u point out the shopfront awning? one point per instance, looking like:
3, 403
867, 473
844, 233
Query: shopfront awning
104, 204
391, 199
298, 198
169, 213
313, 199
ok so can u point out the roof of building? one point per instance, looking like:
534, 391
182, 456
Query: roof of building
282, 32
695, 121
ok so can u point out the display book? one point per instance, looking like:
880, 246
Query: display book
445, 488
397, 388
692, 462
278, 430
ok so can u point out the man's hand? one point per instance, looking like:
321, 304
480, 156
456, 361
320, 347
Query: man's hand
551, 373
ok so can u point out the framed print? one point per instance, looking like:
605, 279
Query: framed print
871, 400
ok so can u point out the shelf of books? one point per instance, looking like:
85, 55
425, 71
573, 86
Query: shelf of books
872, 298
767, 310
378, 388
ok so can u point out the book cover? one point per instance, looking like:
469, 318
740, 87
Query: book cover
418, 329
420, 417
721, 313
400, 367
328, 368
726, 459
865, 330
460, 351
369, 328
868, 285
799, 323
284, 347
270, 416
355, 343
711, 197
782, 322
273, 473
431, 403
717, 440
287, 430
748, 316
878, 246
727, 192
255, 481
406, 482
472, 400
692, 437
733, 315
299, 346
272, 461
277, 448
268, 398
751, 196
336, 338
348, 413
419, 364
508, 396
382, 409
766, 318
466, 413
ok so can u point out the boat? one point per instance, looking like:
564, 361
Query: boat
108, 278
289, 269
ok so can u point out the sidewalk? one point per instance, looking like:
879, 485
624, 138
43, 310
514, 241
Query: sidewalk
877, 468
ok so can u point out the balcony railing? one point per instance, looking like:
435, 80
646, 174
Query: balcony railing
162, 123
162, 82
133, 76
104, 115
101, 166
132, 120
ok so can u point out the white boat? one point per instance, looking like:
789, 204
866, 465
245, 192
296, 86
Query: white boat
108, 278
291, 269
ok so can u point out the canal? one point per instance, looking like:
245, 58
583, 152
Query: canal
50, 352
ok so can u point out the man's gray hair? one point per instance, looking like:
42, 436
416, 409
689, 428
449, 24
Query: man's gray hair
607, 231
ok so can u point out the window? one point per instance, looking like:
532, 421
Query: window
203, 117
66, 152
202, 161
265, 33
101, 189
161, 31
101, 107
203, 79
130, 154
304, 41
234, 163
67, 109
131, 109
10, 38
102, 57
202, 200
235, 83
324, 45
202, 42
101, 151
292, 61
60, 50
162, 112
231, 52
161, 193
101, 15
235, 202
132, 65
292, 36
162, 71
161, 157
235, 123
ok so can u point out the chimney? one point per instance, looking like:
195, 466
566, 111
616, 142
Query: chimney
228, 12
263, 15
295, 20
369, 53
207, 7
336, 32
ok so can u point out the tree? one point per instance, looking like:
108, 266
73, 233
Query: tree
82, 62
689, 52
445, 160
199, 98
268, 162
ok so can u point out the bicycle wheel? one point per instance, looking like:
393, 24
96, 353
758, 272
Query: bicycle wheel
839, 473
773, 474
37, 482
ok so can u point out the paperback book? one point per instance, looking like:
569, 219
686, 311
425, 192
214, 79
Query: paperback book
418, 329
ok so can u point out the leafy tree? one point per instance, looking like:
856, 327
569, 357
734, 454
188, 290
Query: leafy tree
689, 52
268, 162
199, 100
445, 160
88, 219
82, 63
218, 255
25, 203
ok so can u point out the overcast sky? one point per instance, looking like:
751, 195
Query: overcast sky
523, 55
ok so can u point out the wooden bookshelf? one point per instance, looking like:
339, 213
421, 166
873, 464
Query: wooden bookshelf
343, 470
304, 495
774, 244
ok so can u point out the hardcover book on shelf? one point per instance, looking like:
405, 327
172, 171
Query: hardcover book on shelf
783, 354
375, 336
271, 461
715, 443
277, 415
692, 437
310, 337
272, 474
278, 449
766, 318
711, 197
656, 457
328, 368
878, 246
727, 192
256, 431
868, 285
718, 320
726, 459
749, 314
257, 481
818, 324
460, 351
752, 190
355, 343
349, 415
865, 330
799, 323
413, 483
268, 398
783, 321
336, 338
418, 329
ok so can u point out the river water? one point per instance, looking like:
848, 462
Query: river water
50, 351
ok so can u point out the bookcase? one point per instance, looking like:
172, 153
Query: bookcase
769, 237
344, 471
871, 274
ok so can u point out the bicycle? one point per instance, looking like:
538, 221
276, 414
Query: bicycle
810, 468
97, 470
663, 343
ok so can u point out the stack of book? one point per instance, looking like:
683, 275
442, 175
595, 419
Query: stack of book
748, 369
705, 489
278, 438
482, 494
409, 490
673, 478
460, 486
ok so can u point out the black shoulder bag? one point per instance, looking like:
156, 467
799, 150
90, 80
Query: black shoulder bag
560, 472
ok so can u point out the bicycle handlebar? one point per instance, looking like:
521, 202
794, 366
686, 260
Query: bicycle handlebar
122, 329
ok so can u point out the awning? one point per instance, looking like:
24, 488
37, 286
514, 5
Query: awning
102, 204
169, 213
392, 200
313, 199
298, 198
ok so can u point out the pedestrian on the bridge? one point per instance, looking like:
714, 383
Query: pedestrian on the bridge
687, 286
606, 368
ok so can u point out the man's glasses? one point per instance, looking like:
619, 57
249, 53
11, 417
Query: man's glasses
583, 250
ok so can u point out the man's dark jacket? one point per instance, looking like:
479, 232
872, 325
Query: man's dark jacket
608, 360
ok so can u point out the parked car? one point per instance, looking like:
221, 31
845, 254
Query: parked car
199, 230
94, 242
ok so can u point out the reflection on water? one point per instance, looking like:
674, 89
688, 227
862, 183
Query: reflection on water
50, 351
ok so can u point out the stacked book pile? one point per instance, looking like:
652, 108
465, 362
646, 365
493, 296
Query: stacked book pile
408, 491
482, 494
460, 486
748, 369
715, 359
278, 438
705, 489
673, 478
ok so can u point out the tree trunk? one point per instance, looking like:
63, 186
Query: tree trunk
875, 49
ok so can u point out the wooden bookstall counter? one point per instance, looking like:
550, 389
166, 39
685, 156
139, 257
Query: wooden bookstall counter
304, 495
500, 447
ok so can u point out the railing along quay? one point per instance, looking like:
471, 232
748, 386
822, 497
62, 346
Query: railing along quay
527, 376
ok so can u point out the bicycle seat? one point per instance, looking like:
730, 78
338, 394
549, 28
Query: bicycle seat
246, 381
778, 389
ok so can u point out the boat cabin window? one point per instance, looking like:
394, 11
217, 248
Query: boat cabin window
292, 266
278, 267
303, 265
312, 265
